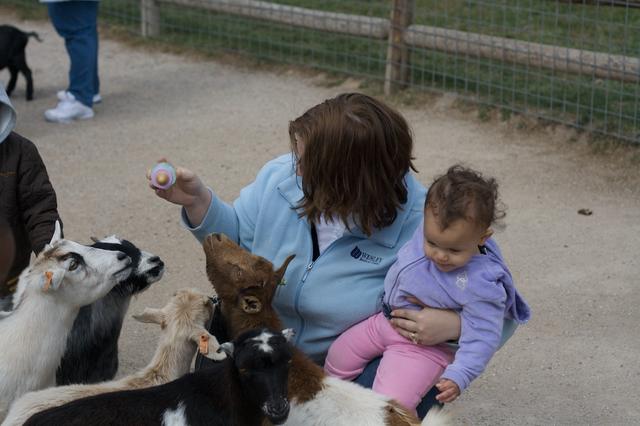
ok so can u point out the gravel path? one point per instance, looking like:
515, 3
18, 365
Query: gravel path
574, 363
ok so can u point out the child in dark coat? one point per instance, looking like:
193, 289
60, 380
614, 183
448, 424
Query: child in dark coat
27, 198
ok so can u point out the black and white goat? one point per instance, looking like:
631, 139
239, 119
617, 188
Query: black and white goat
247, 389
13, 43
62, 278
182, 329
92, 346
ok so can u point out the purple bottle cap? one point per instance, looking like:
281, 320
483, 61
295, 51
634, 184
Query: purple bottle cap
163, 175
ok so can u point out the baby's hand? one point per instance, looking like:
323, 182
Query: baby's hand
449, 391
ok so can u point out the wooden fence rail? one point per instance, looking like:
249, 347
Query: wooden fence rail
557, 58
402, 35
334, 22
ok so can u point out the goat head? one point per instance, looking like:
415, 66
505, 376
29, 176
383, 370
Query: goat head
244, 282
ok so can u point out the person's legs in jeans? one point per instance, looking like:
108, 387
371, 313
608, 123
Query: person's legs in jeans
96, 78
76, 22
353, 349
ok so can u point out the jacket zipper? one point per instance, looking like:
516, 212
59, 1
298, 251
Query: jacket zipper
306, 272
394, 287
297, 305
308, 269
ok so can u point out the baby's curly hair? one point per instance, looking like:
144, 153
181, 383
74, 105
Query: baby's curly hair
463, 193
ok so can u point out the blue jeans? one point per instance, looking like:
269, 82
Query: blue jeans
366, 379
77, 23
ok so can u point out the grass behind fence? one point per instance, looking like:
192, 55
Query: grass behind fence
599, 105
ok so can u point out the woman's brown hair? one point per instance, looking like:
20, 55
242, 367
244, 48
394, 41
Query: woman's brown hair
357, 151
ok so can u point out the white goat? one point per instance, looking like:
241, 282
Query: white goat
183, 322
62, 278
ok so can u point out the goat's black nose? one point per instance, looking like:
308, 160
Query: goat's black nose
121, 256
155, 259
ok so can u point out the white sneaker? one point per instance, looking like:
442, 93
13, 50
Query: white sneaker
67, 111
64, 96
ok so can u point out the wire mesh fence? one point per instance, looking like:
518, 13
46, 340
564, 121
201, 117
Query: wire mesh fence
575, 62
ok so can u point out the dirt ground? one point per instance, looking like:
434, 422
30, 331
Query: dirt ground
576, 362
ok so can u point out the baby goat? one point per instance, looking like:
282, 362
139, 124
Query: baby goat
13, 43
92, 346
244, 391
51, 290
181, 320
245, 284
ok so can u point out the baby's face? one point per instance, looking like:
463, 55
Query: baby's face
453, 247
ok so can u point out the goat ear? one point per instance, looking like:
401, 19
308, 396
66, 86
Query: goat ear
288, 334
227, 348
57, 233
208, 345
282, 269
151, 315
250, 304
52, 280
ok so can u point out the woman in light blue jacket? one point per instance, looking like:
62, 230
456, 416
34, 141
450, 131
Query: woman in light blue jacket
343, 202
77, 22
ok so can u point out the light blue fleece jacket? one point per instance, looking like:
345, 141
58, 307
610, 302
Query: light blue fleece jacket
344, 285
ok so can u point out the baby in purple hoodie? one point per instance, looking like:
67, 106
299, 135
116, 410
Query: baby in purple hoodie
451, 262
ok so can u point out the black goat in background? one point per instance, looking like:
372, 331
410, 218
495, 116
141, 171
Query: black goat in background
13, 43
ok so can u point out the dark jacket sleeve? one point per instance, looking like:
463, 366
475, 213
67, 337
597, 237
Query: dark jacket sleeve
37, 197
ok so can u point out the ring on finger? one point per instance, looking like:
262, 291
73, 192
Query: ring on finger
414, 338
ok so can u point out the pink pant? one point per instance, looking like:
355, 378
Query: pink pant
407, 371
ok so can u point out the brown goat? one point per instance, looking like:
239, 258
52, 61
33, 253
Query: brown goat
245, 284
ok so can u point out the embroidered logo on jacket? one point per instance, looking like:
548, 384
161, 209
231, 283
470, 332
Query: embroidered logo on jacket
462, 280
356, 253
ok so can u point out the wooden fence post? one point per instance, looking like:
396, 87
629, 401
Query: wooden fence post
150, 18
398, 54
